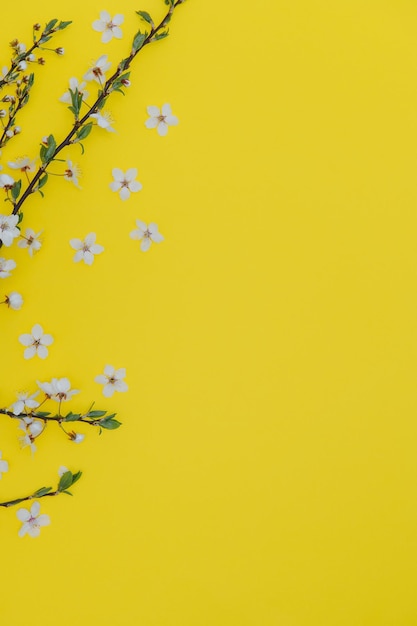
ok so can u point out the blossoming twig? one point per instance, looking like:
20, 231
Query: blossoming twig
24, 84
66, 481
92, 418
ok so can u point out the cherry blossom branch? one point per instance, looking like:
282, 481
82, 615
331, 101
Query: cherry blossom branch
23, 85
51, 150
66, 481
92, 418
23, 56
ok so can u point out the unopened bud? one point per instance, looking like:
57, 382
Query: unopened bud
41, 61
60, 51
36, 26
17, 130
3, 113
126, 82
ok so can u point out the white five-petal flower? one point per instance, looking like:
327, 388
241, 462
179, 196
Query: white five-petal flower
24, 164
59, 389
72, 173
110, 27
161, 119
98, 69
32, 429
86, 248
73, 85
104, 120
36, 342
125, 183
4, 466
30, 240
6, 182
112, 380
32, 521
146, 233
8, 229
24, 401
6, 266
14, 300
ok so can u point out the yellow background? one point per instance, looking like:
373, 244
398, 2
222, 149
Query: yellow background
265, 474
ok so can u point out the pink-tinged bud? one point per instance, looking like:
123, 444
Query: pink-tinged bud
126, 82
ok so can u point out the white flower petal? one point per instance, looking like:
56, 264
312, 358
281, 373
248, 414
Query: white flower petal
166, 109
108, 390
131, 174
88, 257
47, 340
124, 193
42, 352
78, 256
37, 331
22, 515
152, 122
162, 129
135, 185
145, 244
153, 111
29, 352
117, 32
107, 36
26, 339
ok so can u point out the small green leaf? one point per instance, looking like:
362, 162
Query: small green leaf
50, 25
162, 35
145, 16
72, 417
65, 481
42, 181
96, 413
110, 424
138, 41
20, 217
84, 131
42, 492
41, 414
16, 189
63, 25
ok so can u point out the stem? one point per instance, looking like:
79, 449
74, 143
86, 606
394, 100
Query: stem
31, 497
51, 418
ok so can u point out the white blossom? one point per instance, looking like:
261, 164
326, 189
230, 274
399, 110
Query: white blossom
86, 248
98, 69
8, 229
24, 164
6, 181
30, 240
14, 300
125, 183
73, 85
32, 429
25, 401
110, 27
72, 173
36, 342
104, 120
4, 466
59, 389
112, 380
32, 521
160, 119
3, 72
146, 233
6, 266
76, 437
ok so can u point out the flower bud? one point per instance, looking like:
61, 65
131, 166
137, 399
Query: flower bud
14, 301
35, 428
126, 82
3, 113
76, 437
60, 51
9, 133
17, 130
36, 26
41, 61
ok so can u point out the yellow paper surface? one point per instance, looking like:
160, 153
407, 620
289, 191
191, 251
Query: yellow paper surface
265, 473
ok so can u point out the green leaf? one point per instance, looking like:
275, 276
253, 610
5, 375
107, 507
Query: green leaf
42, 181
145, 16
96, 413
138, 41
42, 492
49, 151
16, 189
63, 25
20, 217
162, 35
72, 417
65, 481
84, 131
76, 477
41, 414
110, 424
50, 25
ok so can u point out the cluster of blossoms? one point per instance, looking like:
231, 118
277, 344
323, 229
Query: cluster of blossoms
27, 175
